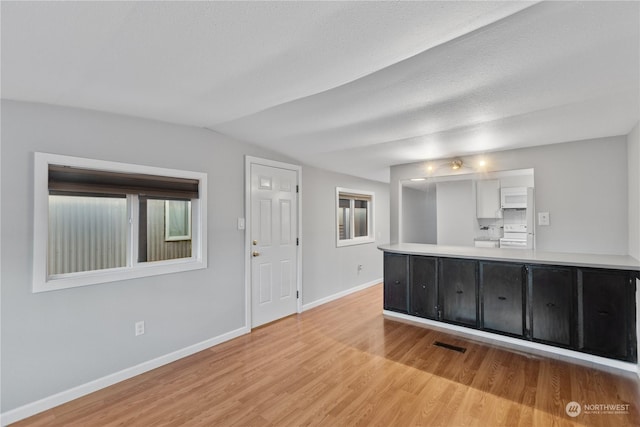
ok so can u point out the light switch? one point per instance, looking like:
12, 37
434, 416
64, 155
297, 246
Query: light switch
240, 223
543, 218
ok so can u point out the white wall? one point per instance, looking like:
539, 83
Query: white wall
582, 184
432, 215
633, 158
54, 341
456, 206
330, 270
419, 224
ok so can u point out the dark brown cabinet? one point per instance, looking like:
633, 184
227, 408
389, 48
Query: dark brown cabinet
551, 291
591, 310
502, 297
458, 291
607, 317
396, 274
423, 287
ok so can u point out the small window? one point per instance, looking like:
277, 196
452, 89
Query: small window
97, 222
354, 217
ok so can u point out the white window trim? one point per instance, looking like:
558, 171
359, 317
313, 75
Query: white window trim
42, 282
370, 238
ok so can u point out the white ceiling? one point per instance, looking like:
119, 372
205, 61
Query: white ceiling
347, 86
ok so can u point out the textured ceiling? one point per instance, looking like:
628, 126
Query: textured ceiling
347, 86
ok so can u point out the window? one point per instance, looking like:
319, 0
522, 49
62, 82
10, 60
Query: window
354, 224
97, 221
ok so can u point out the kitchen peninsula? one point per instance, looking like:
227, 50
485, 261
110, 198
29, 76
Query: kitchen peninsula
580, 306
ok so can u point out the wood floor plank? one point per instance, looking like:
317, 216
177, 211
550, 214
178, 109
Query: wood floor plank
343, 364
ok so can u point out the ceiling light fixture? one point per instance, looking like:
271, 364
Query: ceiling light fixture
456, 164
445, 167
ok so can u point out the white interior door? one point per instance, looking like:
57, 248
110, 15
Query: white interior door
273, 243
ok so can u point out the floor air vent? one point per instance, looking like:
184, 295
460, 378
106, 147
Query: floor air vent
450, 347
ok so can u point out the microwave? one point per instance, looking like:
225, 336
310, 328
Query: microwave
513, 197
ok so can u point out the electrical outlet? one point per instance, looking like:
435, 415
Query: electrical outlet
360, 267
140, 327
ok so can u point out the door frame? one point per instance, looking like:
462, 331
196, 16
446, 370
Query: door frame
250, 160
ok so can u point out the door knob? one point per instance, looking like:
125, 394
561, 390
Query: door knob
255, 242
255, 253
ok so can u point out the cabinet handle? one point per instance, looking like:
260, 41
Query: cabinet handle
458, 292
550, 304
502, 298
397, 282
424, 286
603, 313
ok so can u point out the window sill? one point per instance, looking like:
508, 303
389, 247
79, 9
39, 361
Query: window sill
353, 242
72, 280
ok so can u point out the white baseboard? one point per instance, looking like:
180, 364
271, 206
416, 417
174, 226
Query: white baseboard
49, 402
584, 359
341, 294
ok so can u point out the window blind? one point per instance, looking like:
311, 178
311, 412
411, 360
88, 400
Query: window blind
355, 196
90, 182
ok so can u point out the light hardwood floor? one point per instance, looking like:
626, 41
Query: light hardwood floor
343, 364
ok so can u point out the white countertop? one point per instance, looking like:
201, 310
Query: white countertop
617, 262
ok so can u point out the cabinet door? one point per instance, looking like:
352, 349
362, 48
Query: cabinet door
457, 288
605, 317
396, 268
502, 297
552, 308
422, 288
